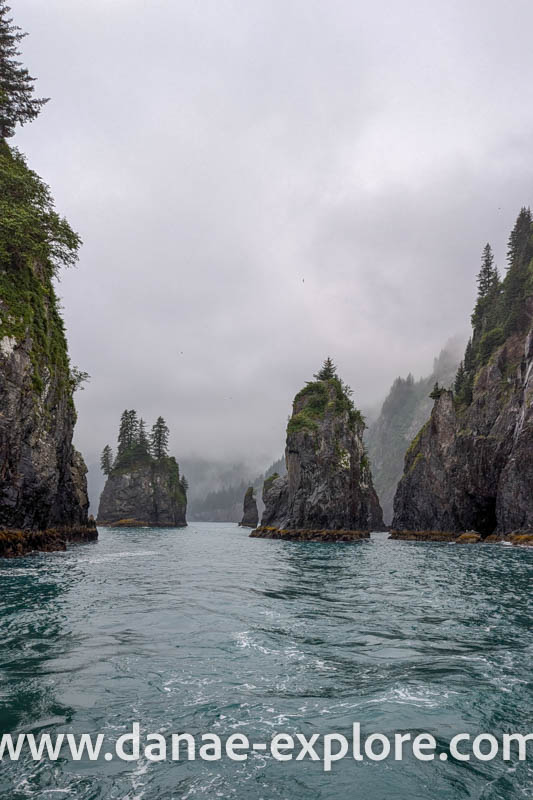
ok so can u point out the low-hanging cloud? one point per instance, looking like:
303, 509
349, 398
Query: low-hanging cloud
259, 185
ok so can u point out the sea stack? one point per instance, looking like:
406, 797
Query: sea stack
143, 486
471, 466
250, 515
43, 488
328, 485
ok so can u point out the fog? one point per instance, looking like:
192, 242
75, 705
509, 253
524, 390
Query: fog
260, 185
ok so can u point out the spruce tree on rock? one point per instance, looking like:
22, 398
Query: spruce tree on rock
327, 372
519, 254
436, 391
488, 277
459, 379
159, 439
17, 102
127, 435
106, 460
486, 310
144, 445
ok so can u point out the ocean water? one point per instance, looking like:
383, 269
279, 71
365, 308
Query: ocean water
205, 630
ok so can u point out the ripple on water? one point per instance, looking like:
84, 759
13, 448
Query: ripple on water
204, 629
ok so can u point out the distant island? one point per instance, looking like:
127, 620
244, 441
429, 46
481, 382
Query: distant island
143, 485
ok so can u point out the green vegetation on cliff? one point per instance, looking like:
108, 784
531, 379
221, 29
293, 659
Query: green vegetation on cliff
35, 241
500, 309
317, 397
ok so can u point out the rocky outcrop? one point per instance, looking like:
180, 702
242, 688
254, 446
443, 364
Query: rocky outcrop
42, 476
266, 532
148, 493
471, 467
250, 516
328, 485
14, 543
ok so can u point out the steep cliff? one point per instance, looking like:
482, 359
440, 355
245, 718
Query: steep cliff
42, 477
250, 515
328, 484
404, 411
471, 465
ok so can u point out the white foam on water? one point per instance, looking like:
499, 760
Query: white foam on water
128, 554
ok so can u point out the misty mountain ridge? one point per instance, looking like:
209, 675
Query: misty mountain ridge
405, 409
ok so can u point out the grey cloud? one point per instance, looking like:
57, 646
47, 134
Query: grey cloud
261, 184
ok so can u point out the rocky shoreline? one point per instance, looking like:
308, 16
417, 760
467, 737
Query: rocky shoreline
17, 543
137, 523
523, 538
306, 535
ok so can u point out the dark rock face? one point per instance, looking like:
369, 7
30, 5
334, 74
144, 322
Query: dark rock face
328, 485
250, 516
42, 476
149, 494
472, 468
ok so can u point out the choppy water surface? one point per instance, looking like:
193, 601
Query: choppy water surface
204, 629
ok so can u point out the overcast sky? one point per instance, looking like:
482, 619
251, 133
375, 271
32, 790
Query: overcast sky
259, 184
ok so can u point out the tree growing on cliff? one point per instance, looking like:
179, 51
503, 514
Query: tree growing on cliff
518, 280
327, 371
142, 440
159, 439
17, 102
487, 309
106, 460
436, 391
488, 276
128, 431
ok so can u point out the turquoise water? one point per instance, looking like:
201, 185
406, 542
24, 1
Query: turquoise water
204, 629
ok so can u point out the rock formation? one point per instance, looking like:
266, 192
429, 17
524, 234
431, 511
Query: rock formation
250, 515
143, 484
42, 477
145, 494
328, 485
471, 466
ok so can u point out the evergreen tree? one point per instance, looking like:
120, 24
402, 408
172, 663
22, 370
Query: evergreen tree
486, 310
17, 103
106, 460
143, 437
436, 391
184, 483
327, 372
488, 274
128, 432
518, 279
520, 238
469, 360
159, 439
460, 379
